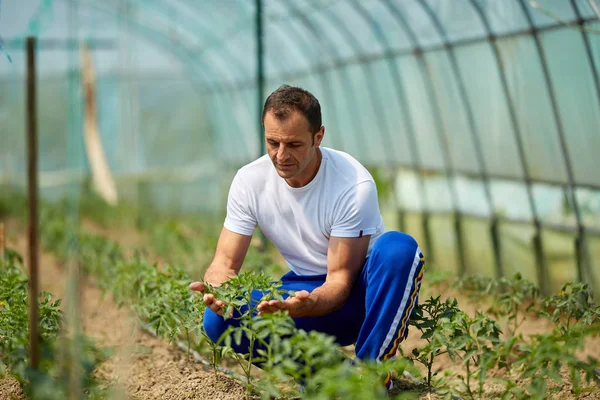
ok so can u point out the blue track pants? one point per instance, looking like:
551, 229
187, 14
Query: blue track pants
375, 317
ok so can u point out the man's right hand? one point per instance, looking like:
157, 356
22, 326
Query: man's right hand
211, 302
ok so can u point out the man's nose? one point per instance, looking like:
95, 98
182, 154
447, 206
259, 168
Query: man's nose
282, 153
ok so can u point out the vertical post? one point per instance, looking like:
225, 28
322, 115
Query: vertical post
401, 214
540, 260
260, 73
32, 226
460, 244
494, 232
260, 87
2, 242
427, 235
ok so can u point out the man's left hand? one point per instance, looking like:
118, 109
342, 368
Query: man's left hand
296, 306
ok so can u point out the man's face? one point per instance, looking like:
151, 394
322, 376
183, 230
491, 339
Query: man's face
290, 146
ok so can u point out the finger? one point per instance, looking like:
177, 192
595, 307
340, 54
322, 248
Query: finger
302, 295
268, 309
197, 286
215, 308
278, 305
208, 299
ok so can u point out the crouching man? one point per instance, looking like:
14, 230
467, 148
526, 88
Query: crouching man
319, 207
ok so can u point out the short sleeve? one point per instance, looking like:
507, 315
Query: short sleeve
239, 219
357, 213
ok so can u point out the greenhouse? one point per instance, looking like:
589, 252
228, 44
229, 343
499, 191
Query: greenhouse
125, 125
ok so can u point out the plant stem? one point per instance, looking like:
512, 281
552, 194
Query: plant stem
250, 355
187, 335
214, 363
469, 378
429, 368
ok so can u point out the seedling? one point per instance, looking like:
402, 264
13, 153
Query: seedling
427, 318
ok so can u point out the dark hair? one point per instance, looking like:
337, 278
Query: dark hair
287, 98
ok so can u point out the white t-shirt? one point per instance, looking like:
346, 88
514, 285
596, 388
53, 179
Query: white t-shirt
340, 201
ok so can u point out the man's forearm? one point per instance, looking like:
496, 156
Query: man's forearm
325, 299
216, 275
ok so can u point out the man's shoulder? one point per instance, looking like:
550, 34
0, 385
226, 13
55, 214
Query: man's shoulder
346, 166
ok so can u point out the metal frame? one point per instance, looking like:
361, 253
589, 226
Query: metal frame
233, 87
343, 76
402, 98
449, 46
542, 269
340, 62
442, 136
583, 267
325, 84
584, 259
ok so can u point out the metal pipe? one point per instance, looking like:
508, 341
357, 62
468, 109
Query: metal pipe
260, 73
62, 44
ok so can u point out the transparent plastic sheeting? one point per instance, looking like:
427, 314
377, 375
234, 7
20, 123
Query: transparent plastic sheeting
416, 84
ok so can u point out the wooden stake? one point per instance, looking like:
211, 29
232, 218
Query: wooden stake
2, 242
32, 224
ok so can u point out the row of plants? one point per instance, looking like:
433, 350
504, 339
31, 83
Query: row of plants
523, 366
54, 377
488, 343
160, 296
485, 347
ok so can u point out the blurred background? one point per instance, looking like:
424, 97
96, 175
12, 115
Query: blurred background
479, 119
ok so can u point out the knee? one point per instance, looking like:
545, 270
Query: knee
397, 249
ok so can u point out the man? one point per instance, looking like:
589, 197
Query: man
319, 207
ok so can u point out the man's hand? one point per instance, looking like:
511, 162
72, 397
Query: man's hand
229, 255
297, 306
211, 302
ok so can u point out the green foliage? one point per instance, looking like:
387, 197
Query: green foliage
357, 381
51, 379
574, 304
509, 299
471, 341
427, 318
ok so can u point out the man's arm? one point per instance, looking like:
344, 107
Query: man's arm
229, 256
227, 262
345, 259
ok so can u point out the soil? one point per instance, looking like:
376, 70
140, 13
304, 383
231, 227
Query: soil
10, 389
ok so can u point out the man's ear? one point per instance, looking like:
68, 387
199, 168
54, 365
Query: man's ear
318, 137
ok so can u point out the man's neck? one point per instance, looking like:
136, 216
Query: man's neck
311, 172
